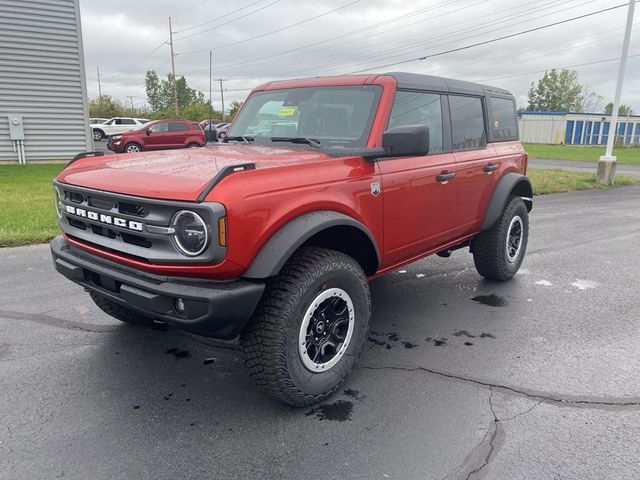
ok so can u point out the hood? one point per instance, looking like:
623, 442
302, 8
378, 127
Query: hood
175, 174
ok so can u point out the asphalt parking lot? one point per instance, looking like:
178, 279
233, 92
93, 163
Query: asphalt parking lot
461, 378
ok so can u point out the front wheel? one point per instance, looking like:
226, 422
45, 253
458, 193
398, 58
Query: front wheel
132, 148
499, 251
309, 328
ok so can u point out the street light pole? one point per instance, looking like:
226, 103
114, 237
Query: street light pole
607, 163
210, 126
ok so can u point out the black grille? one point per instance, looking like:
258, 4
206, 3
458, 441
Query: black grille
132, 209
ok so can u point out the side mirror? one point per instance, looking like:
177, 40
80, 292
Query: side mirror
406, 141
148, 131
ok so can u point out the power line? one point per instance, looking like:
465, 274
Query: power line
438, 41
230, 21
217, 18
577, 65
493, 40
413, 13
274, 31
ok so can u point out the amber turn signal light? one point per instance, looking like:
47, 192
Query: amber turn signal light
222, 231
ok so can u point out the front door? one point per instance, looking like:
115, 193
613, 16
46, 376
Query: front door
156, 135
419, 192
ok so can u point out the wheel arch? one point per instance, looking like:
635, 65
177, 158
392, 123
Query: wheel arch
510, 184
326, 228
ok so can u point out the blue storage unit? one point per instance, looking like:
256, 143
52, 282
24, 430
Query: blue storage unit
577, 134
627, 134
636, 136
569, 134
596, 133
605, 132
587, 133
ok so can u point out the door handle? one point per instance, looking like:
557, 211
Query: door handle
445, 177
491, 167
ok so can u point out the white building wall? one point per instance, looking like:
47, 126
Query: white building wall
536, 128
42, 78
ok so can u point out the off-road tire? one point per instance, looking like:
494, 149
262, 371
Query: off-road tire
489, 247
269, 342
119, 312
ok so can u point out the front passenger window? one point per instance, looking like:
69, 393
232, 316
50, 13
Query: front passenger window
417, 108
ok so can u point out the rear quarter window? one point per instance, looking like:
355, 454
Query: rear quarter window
504, 124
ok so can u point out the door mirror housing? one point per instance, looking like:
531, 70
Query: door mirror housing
148, 131
406, 141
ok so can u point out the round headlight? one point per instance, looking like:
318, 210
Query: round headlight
57, 201
191, 235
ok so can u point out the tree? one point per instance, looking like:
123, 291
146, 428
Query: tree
235, 106
154, 91
622, 109
160, 93
557, 90
590, 101
105, 107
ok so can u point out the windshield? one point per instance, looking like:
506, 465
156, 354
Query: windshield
333, 116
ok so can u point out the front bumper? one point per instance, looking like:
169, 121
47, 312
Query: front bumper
212, 309
115, 148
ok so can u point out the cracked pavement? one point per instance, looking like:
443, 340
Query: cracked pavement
461, 378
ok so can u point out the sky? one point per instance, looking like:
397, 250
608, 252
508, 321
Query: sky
254, 41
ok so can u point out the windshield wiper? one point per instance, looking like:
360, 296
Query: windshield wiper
241, 138
309, 141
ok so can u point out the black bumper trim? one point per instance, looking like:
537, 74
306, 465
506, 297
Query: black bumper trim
213, 309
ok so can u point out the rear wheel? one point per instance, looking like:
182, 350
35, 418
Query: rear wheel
309, 327
98, 134
120, 312
132, 148
499, 251
193, 145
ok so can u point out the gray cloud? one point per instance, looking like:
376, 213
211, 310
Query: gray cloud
119, 36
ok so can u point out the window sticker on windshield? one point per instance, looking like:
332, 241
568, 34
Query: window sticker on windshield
287, 111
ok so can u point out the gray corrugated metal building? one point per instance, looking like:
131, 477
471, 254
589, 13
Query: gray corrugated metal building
42, 79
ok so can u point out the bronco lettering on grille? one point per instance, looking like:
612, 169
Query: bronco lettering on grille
106, 219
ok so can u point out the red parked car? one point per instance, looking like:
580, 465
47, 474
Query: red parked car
159, 135
322, 185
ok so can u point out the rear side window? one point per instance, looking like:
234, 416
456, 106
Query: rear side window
127, 121
195, 126
418, 108
467, 122
503, 119
178, 127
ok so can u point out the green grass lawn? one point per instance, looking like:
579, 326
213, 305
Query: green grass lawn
27, 214
556, 181
629, 155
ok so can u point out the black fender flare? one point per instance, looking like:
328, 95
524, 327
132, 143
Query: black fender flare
282, 244
509, 183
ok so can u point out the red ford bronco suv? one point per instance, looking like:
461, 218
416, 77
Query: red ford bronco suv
322, 185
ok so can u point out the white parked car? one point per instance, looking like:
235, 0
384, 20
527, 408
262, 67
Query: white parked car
117, 125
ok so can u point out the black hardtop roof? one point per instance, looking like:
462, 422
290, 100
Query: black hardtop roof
416, 81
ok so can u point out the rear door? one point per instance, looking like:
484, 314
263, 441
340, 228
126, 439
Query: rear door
177, 134
476, 161
418, 192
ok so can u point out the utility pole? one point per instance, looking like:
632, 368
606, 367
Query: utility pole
210, 127
607, 163
173, 70
99, 89
130, 97
222, 95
